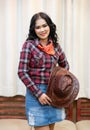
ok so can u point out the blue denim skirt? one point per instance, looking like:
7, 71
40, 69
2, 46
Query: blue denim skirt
41, 115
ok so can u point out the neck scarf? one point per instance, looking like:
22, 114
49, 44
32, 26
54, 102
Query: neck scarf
49, 49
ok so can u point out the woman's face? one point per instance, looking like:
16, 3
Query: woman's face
42, 29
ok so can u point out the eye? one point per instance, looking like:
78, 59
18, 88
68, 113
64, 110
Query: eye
37, 27
45, 25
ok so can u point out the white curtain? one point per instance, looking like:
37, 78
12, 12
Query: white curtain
72, 18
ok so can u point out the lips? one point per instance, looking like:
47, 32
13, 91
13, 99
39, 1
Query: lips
43, 34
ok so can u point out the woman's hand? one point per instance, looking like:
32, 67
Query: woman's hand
44, 99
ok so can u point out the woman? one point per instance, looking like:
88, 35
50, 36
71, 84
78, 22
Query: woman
40, 53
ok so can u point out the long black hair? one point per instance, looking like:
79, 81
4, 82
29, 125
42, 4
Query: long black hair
53, 35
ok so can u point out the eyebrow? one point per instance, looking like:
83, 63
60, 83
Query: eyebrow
41, 25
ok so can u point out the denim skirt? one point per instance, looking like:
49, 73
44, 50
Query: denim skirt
41, 115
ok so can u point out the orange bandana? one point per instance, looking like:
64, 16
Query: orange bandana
49, 49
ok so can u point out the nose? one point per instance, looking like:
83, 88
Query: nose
42, 29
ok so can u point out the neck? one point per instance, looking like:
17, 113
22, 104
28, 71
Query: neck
43, 42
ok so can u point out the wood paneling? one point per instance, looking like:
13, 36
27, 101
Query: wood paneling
83, 109
12, 107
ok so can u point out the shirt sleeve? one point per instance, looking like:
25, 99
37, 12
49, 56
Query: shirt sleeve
23, 70
62, 59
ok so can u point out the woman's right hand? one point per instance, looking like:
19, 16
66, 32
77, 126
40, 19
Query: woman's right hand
44, 99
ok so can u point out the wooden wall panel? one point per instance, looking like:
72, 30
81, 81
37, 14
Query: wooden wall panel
83, 109
12, 107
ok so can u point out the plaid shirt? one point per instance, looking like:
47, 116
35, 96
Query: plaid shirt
35, 65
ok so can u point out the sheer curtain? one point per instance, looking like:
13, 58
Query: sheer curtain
72, 18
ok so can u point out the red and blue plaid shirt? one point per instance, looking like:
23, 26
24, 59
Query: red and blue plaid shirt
35, 65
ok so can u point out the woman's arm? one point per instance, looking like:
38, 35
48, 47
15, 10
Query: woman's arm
23, 70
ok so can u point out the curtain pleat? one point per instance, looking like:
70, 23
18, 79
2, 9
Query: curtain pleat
72, 18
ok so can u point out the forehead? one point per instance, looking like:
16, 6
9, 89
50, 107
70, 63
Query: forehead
40, 22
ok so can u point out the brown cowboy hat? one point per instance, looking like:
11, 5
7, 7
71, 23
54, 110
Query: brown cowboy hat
63, 87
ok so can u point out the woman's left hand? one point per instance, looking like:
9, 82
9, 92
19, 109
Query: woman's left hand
44, 99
